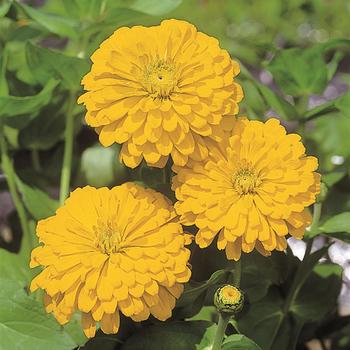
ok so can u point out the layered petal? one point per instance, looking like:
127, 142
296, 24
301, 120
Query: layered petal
163, 91
111, 251
252, 191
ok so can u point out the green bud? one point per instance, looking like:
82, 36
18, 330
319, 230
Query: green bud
229, 299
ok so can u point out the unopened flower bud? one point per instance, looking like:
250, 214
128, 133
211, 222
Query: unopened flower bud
229, 299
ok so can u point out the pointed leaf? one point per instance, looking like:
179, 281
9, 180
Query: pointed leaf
11, 106
46, 64
56, 24
37, 202
239, 342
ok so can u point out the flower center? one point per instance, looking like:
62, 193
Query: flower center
160, 78
245, 179
230, 294
107, 237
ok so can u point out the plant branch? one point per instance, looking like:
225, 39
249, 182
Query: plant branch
68, 150
237, 274
296, 285
10, 175
295, 288
220, 331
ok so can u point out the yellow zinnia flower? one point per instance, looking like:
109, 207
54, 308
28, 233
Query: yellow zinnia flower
160, 91
107, 251
251, 191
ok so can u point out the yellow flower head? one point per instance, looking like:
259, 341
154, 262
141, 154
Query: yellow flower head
107, 251
251, 191
160, 91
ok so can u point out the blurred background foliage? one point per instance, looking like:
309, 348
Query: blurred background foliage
294, 58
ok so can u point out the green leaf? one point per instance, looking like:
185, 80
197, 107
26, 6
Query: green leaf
192, 293
46, 64
101, 167
337, 223
278, 104
87, 9
193, 298
331, 134
12, 266
196, 335
154, 7
25, 325
343, 103
319, 294
260, 273
253, 102
206, 313
56, 24
113, 18
334, 44
17, 62
299, 71
4, 90
333, 64
337, 226
322, 109
239, 342
261, 319
37, 202
11, 106
306, 268
333, 177
23, 322
43, 132
267, 325
4, 7
75, 331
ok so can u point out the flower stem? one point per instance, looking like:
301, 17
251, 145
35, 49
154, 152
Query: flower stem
68, 151
302, 105
295, 287
220, 331
237, 274
316, 216
9, 172
225, 317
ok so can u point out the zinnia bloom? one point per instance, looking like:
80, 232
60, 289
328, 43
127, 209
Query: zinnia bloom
110, 251
251, 192
160, 91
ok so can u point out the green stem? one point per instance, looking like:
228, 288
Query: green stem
224, 317
9, 172
316, 216
36, 160
237, 274
295, 287
68, 151
234, 324
302, 105
220, 331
